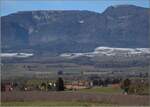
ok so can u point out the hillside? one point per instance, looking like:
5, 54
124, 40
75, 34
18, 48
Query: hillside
124, 26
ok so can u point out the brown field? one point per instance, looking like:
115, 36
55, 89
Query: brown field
115, 99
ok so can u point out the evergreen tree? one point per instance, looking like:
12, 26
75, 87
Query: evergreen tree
60, 84
126, 84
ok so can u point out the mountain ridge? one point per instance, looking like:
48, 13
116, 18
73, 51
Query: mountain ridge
75, 31
61, 10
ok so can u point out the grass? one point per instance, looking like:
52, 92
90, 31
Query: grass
108, 90
55, 103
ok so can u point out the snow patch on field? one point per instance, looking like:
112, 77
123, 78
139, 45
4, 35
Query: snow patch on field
109, 51
19, 55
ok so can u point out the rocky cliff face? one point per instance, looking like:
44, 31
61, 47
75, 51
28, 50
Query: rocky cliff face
75, 31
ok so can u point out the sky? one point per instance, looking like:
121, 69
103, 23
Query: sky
12, 6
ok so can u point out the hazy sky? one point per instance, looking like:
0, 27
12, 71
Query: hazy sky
11, 6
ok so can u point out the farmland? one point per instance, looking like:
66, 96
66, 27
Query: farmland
55, 103
108, 90
76, 98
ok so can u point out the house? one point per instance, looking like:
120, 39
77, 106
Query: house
116, 85
75, 85
6, 86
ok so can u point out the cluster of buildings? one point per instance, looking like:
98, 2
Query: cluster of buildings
48, 86
51, 85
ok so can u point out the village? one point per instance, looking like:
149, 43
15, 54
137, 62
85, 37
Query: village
50, 85
76, 83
